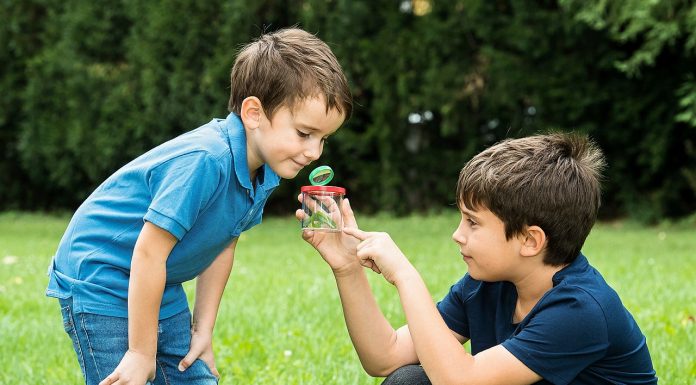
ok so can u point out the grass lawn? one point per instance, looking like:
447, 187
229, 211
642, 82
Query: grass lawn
280, 321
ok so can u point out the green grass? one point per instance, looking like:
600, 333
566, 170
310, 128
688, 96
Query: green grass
281, 323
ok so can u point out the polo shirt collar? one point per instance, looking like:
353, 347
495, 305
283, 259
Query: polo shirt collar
236, 138
579, 265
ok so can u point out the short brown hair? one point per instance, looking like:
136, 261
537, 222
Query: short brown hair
552, 181
286, 66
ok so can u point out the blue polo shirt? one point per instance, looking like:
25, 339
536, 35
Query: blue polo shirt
578, 333
195, 186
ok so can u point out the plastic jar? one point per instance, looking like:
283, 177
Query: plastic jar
321, 205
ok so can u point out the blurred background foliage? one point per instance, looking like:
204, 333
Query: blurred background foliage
89, 85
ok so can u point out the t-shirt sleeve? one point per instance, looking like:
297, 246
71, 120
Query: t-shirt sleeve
181, 189
453, 306
567, 334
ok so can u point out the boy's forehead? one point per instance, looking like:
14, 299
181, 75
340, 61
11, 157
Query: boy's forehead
313, 113
480, 209
309, 104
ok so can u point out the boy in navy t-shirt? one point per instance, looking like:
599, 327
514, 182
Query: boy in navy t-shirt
531, 305
175, 214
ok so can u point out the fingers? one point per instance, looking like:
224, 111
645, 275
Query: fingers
309, 206
319, 212
366, 248
356, 232
110, 379
307, 235
348, 215
211, 366
370, 264
187, 361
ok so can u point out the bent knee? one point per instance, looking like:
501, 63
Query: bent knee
408, 375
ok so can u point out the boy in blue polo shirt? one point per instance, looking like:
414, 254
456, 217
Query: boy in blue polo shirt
531, 305
175, 214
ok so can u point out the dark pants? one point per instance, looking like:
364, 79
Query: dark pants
408, 375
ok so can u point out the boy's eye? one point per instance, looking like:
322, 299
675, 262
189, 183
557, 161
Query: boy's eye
471, 222
302, 134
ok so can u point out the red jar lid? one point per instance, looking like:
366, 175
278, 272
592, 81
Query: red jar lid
333, 189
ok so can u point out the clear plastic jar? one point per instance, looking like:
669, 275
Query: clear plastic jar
321, 205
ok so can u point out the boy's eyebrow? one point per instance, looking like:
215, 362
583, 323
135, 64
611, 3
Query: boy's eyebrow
468, 213
307, 126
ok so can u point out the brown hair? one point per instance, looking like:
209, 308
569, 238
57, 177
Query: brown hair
552, 181
286, 66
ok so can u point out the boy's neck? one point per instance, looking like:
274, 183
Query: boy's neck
531, 287
252, 176
254, 162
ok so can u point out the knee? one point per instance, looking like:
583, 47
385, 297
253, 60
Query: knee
408, 375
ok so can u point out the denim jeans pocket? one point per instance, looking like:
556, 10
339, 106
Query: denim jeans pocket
204, 365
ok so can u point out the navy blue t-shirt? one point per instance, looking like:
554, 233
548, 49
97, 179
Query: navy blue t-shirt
578, 333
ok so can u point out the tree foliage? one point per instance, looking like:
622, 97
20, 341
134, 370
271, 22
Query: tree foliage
91, 85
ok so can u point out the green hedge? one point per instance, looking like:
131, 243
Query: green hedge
89, 85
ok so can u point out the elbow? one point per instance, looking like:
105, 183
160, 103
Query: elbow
385, 371
374, 371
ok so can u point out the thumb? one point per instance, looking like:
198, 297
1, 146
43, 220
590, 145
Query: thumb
187, 361
356, 232
215, 372
348, 215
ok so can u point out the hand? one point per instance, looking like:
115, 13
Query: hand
135, 368
201, 347
337, 248
379, 252
325, 213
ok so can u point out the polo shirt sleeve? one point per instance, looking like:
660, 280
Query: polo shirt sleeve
566, 335
181, 189
453, 307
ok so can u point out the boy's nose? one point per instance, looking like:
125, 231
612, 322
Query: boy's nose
313, 152
458, 236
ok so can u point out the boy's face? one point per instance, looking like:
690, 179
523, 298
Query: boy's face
292, 140
482, 243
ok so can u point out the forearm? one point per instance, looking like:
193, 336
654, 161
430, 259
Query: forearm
440, 353
148, 275
210, 286
374, 339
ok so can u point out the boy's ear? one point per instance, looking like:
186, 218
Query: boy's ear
251, 112
534, 241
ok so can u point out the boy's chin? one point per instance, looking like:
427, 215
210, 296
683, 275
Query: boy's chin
287, 173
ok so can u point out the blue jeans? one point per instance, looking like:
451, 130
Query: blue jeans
101, 341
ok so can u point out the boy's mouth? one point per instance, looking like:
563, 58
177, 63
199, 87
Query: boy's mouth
300, 165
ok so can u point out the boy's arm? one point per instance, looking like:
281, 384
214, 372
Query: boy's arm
442, 356
146, 285
209, 288
438, 348
380, 348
